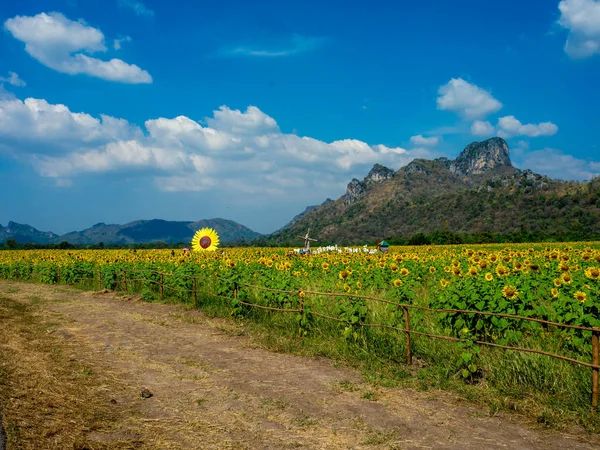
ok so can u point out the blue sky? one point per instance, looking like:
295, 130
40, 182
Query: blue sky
118, 110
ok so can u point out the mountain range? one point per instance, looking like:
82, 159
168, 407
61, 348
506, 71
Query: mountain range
140, 231
478, 192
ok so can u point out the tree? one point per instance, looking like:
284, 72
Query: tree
64, 245
11, 243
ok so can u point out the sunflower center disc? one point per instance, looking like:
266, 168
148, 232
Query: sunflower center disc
205, 242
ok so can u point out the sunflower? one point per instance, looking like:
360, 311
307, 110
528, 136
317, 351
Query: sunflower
444, 283
404, 271
432, 269
489, 276
397, 283
580, 296
554, 292
343, 274
592, 273
502, 271
325, 266
566, 278
205, 239
346, 288
510, 292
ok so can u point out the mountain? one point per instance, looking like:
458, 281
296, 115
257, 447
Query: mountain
25, 233
158, 230
303, 213
141, 231
478, 192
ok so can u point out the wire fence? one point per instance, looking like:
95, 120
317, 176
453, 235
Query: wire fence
126, 278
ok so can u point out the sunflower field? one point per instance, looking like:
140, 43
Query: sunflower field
333, 295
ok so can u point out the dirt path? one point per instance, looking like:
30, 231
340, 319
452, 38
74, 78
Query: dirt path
213, 389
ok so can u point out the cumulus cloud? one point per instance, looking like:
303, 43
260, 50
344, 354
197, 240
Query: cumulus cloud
556, 164
582, 19
466, 99
137, 7
43, 127
509, 126
242, 151
483, 129
419, 140
64, 45
13, 79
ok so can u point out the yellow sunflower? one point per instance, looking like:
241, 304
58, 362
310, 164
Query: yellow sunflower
205, 239
510, 292
580, 296
592, 273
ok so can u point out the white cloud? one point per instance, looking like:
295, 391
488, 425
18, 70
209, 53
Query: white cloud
480, 128
137, 7
62, 44
13, 79
466, 99
425, 141
253, 121
509, 126
557, 164
117, 42
582, 19
36, 124
293, 45
244, 152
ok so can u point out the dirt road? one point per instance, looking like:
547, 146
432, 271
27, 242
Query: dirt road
213, 389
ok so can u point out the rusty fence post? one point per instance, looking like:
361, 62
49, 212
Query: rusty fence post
235, 290
595, 361
161, 286
407, 331
125, 280
195, 293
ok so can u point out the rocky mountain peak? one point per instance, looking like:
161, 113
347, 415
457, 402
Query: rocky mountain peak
481, 157
379, 173
356, 189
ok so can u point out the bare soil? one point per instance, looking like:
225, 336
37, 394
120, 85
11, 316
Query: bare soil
211, 387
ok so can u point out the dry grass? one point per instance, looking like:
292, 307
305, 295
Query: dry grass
46, 395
